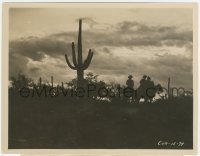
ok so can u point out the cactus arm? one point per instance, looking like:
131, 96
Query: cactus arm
88, 60
74, 54
69, 64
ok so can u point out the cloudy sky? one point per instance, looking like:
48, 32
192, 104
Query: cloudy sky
153, 41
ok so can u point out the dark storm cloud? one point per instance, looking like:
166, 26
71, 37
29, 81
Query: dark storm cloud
159, 68
139, 27
34, 70
17, 63
179, 68
126, 34
107, 50
137, 34
35, 48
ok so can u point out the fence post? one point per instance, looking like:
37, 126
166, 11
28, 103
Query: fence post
52, 81
169, 89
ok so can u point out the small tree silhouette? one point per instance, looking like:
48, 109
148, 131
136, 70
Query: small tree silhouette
91, 78
21, 81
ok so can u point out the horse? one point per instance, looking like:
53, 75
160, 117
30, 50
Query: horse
148, 93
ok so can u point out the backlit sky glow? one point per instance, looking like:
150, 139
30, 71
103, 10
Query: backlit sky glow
153, 41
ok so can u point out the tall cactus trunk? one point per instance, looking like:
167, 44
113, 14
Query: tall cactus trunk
78, 62
80, 57
80, 78
80, 72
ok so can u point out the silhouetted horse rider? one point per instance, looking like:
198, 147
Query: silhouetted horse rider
130, 84
143, 81
142, 88
150, 89
147, 89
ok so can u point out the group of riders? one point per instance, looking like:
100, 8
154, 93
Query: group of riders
145, 90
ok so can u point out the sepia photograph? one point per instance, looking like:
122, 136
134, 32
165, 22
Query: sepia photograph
100, 76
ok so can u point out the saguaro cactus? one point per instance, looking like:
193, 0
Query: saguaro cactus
79, 65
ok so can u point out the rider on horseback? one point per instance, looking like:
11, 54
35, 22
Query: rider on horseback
130, 82
150, 90
143, 86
